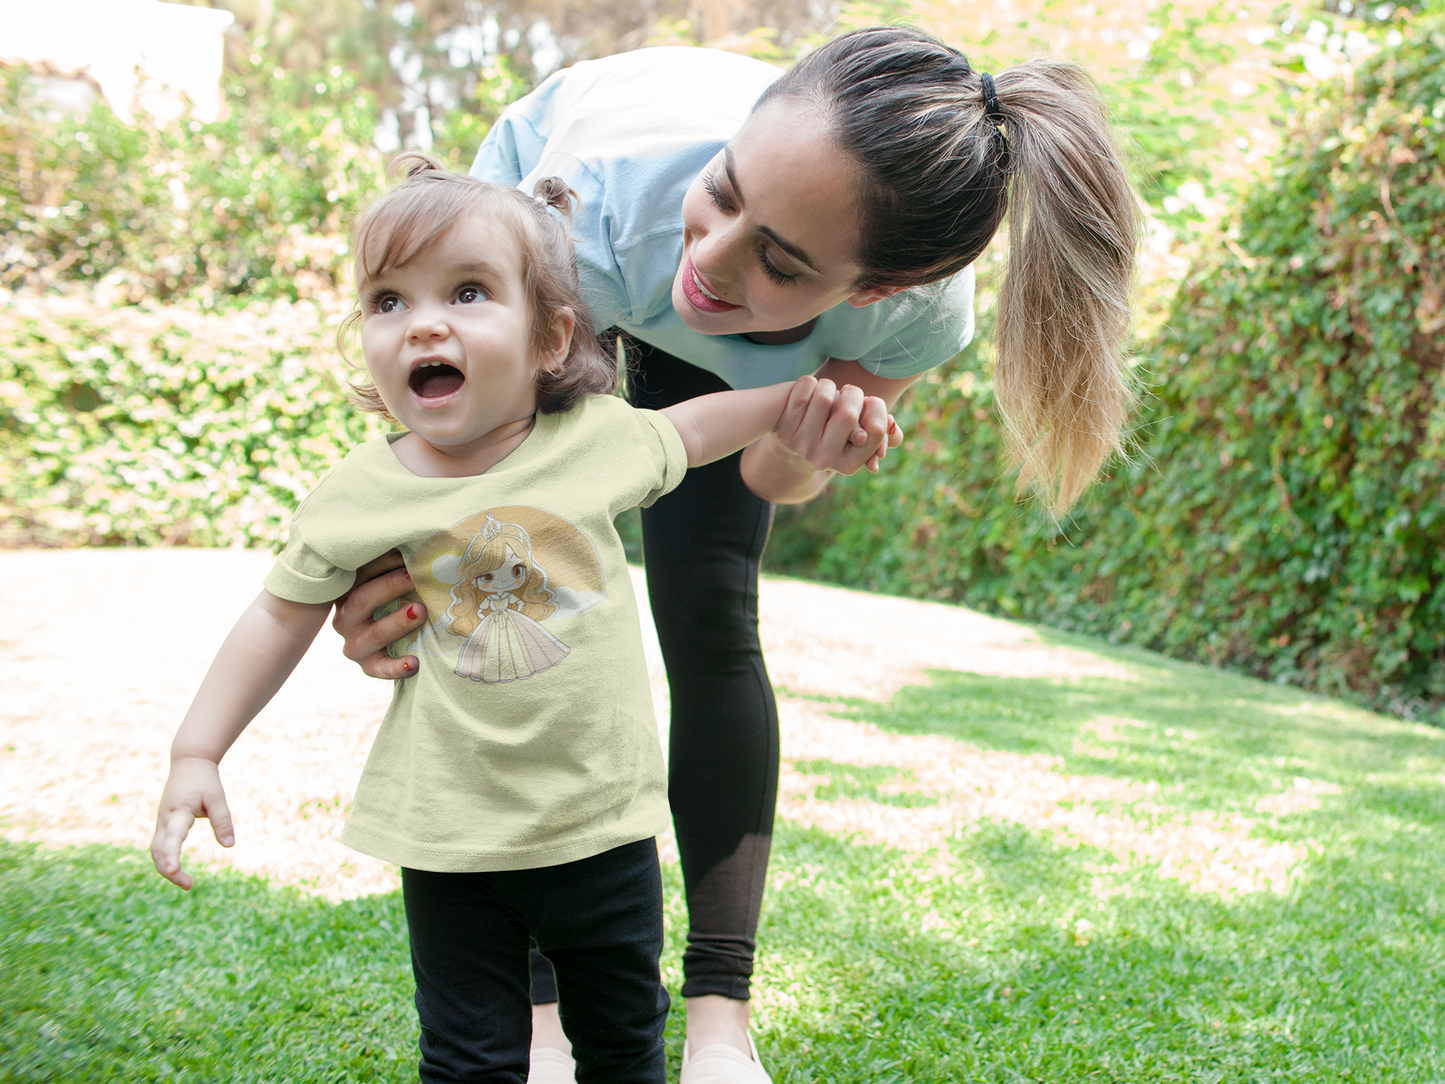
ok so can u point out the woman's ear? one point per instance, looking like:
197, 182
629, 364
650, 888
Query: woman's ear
867, 297
557, 341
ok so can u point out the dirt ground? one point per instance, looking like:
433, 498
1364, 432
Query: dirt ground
103, 649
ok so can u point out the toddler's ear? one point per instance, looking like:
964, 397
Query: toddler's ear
557, 340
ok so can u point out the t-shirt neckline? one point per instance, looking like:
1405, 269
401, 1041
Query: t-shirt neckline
542, 427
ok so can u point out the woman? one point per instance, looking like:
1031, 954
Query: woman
740, 227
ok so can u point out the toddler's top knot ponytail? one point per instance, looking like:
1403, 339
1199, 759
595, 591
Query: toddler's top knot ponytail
553, 192
412, 164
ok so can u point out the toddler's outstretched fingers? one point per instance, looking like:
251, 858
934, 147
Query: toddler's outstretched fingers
219, 814
171, 831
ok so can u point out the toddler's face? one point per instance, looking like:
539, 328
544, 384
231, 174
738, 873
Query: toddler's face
447, 338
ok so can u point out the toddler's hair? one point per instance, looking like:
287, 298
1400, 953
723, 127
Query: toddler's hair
407, 221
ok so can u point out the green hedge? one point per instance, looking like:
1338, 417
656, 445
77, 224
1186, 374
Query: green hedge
166, 425
256, 203
1284, 512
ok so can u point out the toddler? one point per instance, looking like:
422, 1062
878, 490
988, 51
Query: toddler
517, 780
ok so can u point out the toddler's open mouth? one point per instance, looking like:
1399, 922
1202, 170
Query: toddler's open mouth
435, 380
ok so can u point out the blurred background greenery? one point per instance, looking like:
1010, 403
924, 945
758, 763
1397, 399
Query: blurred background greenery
170, 376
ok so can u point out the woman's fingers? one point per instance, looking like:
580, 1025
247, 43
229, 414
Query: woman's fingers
857, 434
839, 429
366, 640
892, 437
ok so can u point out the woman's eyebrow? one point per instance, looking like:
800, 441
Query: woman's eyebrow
795, 251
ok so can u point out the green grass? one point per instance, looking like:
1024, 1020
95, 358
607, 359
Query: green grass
1033, 959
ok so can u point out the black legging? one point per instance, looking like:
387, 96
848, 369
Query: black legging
702, 544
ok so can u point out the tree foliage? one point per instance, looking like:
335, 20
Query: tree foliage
1283, 513
257, 202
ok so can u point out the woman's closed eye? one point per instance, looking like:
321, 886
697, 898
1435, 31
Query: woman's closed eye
782, 278
772, 270
710, 184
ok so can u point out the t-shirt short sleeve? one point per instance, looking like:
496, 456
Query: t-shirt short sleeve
301, 574
673, 455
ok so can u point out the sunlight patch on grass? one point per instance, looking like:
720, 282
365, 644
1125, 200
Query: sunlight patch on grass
1209, 850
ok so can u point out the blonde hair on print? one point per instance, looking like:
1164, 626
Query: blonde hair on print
496, 539
408, 220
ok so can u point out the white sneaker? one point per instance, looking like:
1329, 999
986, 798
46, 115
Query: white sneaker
551, 1066
723, 1064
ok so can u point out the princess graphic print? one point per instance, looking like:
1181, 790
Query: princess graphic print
495, 578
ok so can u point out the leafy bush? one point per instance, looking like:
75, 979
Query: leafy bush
167, 425
1284, 513
257, 203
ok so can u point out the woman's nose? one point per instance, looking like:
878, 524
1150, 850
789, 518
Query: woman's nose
718, 253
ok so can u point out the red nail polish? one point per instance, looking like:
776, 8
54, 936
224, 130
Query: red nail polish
406, 572
411, 613
407, 665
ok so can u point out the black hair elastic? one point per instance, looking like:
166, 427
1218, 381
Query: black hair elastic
990, 99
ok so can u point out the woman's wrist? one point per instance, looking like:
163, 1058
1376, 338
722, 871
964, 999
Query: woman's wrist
776, 473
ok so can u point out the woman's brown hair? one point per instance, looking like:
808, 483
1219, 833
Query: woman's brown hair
943, 163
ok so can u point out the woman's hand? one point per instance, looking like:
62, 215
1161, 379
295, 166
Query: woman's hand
827, 428
836, 429
377, 583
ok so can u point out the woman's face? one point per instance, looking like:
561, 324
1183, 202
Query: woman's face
770, 229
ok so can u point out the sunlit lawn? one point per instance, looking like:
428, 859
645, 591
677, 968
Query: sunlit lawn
1032, 958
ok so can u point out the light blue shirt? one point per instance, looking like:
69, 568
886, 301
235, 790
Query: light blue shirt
629, 133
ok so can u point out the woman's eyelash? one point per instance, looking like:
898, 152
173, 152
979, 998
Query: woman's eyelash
780, 277
709, 184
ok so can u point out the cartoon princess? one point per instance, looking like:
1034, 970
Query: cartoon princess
497, 603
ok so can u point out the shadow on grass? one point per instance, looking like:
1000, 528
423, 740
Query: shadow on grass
107, 973
1022, 958
113, 975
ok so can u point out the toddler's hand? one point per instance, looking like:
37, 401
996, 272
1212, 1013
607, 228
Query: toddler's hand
892, 436
193, 790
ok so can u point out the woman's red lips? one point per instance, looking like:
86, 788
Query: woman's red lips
698, 295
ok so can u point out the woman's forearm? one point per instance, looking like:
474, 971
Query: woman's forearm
776, 473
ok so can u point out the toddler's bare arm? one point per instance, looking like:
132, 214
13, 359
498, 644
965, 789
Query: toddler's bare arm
259, 654
716, 425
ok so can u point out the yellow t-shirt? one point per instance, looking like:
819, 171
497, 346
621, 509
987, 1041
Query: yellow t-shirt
527, 738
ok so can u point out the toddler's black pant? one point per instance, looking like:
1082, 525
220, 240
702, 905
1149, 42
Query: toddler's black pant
598, 920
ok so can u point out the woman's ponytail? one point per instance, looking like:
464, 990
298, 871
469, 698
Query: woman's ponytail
943, 153
1063, 305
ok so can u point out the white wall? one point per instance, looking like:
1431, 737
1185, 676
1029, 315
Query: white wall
178, 49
